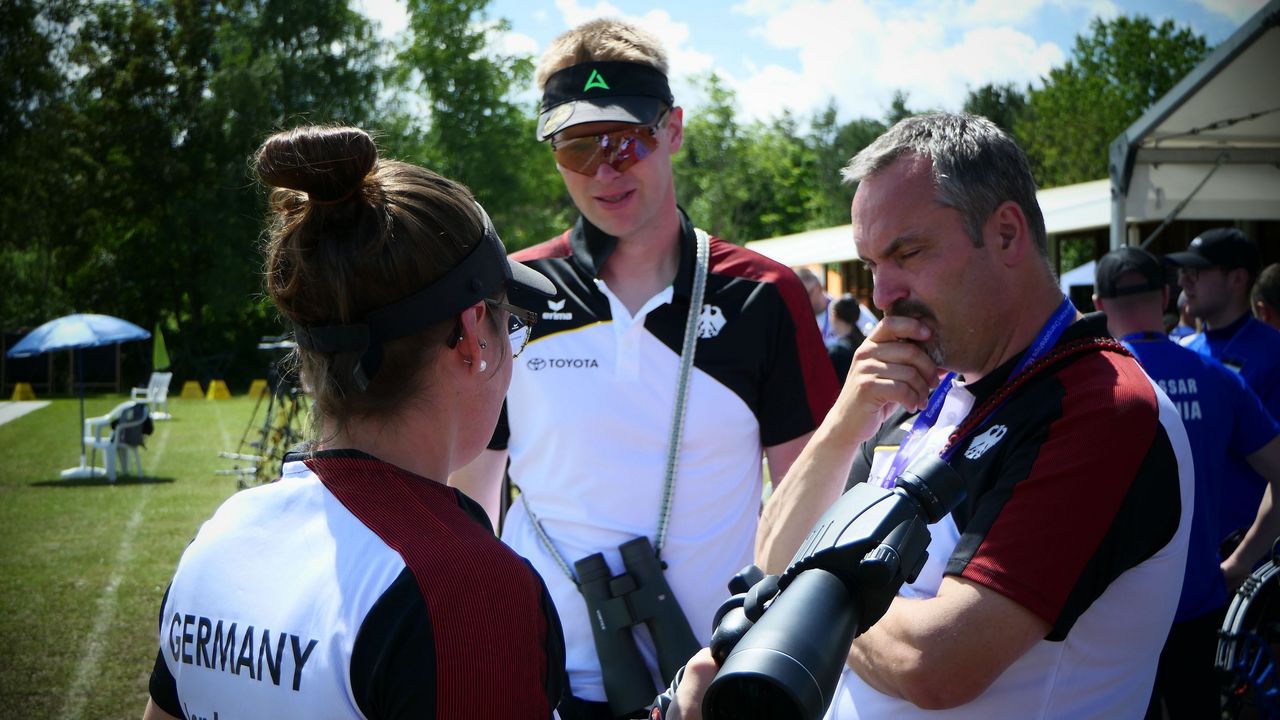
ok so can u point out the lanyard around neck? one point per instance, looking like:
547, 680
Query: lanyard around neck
702, 255
1044, 340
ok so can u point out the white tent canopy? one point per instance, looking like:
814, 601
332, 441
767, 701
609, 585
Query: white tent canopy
1083, 275
1066, 209
1210, 148
815, 247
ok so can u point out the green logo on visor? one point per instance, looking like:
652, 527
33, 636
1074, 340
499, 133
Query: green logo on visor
595, 81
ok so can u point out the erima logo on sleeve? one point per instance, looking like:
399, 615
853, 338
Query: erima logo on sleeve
555, 311
595, 81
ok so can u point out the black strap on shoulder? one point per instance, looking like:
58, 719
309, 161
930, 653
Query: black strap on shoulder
479, 275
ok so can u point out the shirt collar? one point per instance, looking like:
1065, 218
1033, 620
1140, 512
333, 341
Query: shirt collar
592, 247
1091, 325
1228, 332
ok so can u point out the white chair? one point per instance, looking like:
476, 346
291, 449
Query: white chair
117, 434
156, 395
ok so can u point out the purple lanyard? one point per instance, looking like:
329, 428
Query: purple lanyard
1048, 337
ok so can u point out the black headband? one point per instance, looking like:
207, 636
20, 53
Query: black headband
479, 275
602, 91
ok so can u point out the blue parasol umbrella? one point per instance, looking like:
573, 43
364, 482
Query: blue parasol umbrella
74, 332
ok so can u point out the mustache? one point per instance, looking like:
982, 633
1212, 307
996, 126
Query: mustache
912, 309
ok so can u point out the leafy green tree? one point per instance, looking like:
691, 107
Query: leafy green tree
711, 161
898, 109
165, 103
834, 145
35, 126
476, 133
781, 181
1003, 105
1113, 75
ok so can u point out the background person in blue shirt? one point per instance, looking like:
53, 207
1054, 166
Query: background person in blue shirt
1230, 432
1217, 272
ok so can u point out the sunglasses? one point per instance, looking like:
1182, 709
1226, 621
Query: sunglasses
619, 149
519, 325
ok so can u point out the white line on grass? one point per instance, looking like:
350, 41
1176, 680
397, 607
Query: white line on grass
78, 693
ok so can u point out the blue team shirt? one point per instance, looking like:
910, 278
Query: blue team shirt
1225, 423
1252, 349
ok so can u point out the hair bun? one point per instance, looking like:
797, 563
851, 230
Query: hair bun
327, 163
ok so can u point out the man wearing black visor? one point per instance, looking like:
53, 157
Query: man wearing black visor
666, 368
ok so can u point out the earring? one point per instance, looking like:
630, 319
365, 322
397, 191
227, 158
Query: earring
468, 361
483, 344
483, 366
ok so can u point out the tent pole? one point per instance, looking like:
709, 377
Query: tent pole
79, 363
1117, 217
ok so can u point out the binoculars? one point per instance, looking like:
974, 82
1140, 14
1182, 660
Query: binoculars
617, 603
785, 663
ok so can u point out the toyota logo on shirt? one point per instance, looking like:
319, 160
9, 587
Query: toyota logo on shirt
538, 363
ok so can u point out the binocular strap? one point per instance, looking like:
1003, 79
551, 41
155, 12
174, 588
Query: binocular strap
701, 261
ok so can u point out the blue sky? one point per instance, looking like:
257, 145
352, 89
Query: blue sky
798, 54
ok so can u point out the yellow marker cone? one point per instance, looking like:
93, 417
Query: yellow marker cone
191, 390
23, 391
258, 388
217, 391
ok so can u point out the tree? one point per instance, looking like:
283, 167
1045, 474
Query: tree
834, 145
1003, 105
153, 211
1113, 75
711, 161
35, 128
476, 133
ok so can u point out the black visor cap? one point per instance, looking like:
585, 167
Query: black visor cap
602, 92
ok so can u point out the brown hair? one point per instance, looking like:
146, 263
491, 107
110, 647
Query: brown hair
601, 40
351, 233
1266, 289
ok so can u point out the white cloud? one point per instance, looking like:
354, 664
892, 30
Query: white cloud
1235, 10
1002, 12
514, 43
675, 35
861, 51
391, 16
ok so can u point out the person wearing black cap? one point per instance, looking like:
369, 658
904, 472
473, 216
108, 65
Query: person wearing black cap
1230, 432
1216, 271
598, 442
360, 585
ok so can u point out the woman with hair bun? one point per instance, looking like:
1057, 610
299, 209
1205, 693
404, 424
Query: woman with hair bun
359, 585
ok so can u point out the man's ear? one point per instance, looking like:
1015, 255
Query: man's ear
1008, 228
675, 126
1239, 279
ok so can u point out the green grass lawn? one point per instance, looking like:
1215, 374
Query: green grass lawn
85, 563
